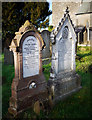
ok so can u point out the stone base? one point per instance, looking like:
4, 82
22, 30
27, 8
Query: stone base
23, 104
23, 98
63, 85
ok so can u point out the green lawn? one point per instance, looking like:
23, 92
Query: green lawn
75, 106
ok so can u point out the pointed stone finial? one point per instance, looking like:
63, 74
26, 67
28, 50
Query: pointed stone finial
67, 10
27, 26
27, 23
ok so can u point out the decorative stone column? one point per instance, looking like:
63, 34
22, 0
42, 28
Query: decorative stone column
85, 37
78, 38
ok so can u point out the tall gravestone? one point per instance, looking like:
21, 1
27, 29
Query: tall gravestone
46, 38
8, 57
63, 78
29, 85
46, 52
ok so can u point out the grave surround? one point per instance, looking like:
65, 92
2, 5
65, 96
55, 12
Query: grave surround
63, 77
29, 84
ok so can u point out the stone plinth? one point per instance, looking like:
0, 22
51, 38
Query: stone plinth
63, 85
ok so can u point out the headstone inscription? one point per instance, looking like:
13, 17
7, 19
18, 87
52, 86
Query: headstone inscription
29, 85
63, 78
30, 56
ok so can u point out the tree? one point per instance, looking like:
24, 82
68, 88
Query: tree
14, 14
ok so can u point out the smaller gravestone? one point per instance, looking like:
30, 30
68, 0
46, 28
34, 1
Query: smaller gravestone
46, 52
29, 85
63, 78
8, 57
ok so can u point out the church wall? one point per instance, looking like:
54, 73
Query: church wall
83, 19
58, 9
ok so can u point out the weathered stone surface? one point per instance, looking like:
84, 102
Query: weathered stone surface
64, 85
37, 107
46, 38
63, 78
8, 57
46, 52
29, 84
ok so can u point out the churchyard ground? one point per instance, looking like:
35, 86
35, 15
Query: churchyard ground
75, 106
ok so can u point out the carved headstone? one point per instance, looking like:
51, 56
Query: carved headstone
63, 78
29, 84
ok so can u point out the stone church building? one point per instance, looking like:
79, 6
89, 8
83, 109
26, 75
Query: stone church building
81, 15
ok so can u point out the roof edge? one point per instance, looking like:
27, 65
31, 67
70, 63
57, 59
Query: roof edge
83, 13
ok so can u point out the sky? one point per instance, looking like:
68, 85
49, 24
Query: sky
50, 7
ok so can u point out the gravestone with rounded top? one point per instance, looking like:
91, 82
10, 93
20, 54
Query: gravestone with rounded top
63, 78
29, 84
46, 38
46, 52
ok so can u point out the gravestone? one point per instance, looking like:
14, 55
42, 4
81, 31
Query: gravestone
8, 57
46, 53
63, 78
29, 85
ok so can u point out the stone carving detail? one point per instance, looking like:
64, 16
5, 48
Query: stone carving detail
32, 85
65, 32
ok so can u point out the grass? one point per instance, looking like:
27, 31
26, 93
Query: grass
7, 77
47, 71
75, 106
